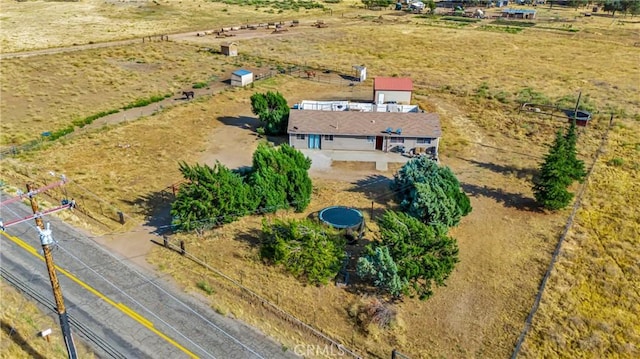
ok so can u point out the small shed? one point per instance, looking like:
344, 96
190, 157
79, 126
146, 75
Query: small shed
241, 77
361, 72
229, 48
519, 14
392, 90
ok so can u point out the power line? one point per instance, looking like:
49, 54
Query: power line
150, 281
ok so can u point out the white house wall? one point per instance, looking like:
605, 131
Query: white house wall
359, 143
401, 97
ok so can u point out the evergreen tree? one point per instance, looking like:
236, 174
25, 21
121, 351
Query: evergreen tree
430, 193
556, 175
280, 178
575, 166
379, 267
424, 255
211, 197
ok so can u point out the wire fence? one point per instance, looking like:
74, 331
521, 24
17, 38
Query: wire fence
397, 355
256, 299
556, 252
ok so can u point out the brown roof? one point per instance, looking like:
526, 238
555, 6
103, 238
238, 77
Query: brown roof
412, 124
392, 84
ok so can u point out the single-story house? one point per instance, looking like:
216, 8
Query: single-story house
229, 48
241, 78
392, 89
519, 14
364, 131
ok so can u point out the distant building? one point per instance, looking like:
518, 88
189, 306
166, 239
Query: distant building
392, 90
519, 14
229, 49
361, 72
241, 77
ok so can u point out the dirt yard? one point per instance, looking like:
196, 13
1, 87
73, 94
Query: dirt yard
505, 243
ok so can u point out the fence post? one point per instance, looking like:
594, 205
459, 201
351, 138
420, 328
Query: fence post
165, 240
393, 354
182, 248
121, 217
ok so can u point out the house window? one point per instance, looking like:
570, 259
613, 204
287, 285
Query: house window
397, 140
371, 139
423, 141
328, 137
299, 137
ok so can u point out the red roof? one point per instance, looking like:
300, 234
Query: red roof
392, 84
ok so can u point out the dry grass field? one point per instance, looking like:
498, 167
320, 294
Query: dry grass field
592, 304
471, 75
21, 322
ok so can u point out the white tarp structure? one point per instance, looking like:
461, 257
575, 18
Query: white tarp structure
354, 106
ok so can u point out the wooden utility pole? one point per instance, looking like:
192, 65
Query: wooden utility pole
46, 240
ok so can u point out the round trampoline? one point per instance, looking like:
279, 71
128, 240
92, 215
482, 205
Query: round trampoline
349, 219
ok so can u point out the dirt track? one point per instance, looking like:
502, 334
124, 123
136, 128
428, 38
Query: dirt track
194, 36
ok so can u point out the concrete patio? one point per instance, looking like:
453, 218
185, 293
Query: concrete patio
322, 159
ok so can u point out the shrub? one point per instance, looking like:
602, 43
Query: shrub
373, 311
616, 162
305, 248
205, 287
146, 101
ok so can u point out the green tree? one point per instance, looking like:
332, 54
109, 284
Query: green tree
625, 6
305, 248
280, 178
210, 197
550, 186
431, 5
272, 109
380, 268
575, 166
430, 193
425, 256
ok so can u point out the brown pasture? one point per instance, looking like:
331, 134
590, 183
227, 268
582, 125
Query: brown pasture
505, 243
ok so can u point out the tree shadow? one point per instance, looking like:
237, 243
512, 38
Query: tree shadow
506, 150
246, 122
156, 207
374, 187
510, 200
20, 340
250, 236
521, 173
252, 124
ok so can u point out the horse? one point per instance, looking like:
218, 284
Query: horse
311, 74
188, 94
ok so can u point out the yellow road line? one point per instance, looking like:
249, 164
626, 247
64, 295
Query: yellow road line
123, 308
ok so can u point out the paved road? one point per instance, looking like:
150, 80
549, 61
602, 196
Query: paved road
136, 313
